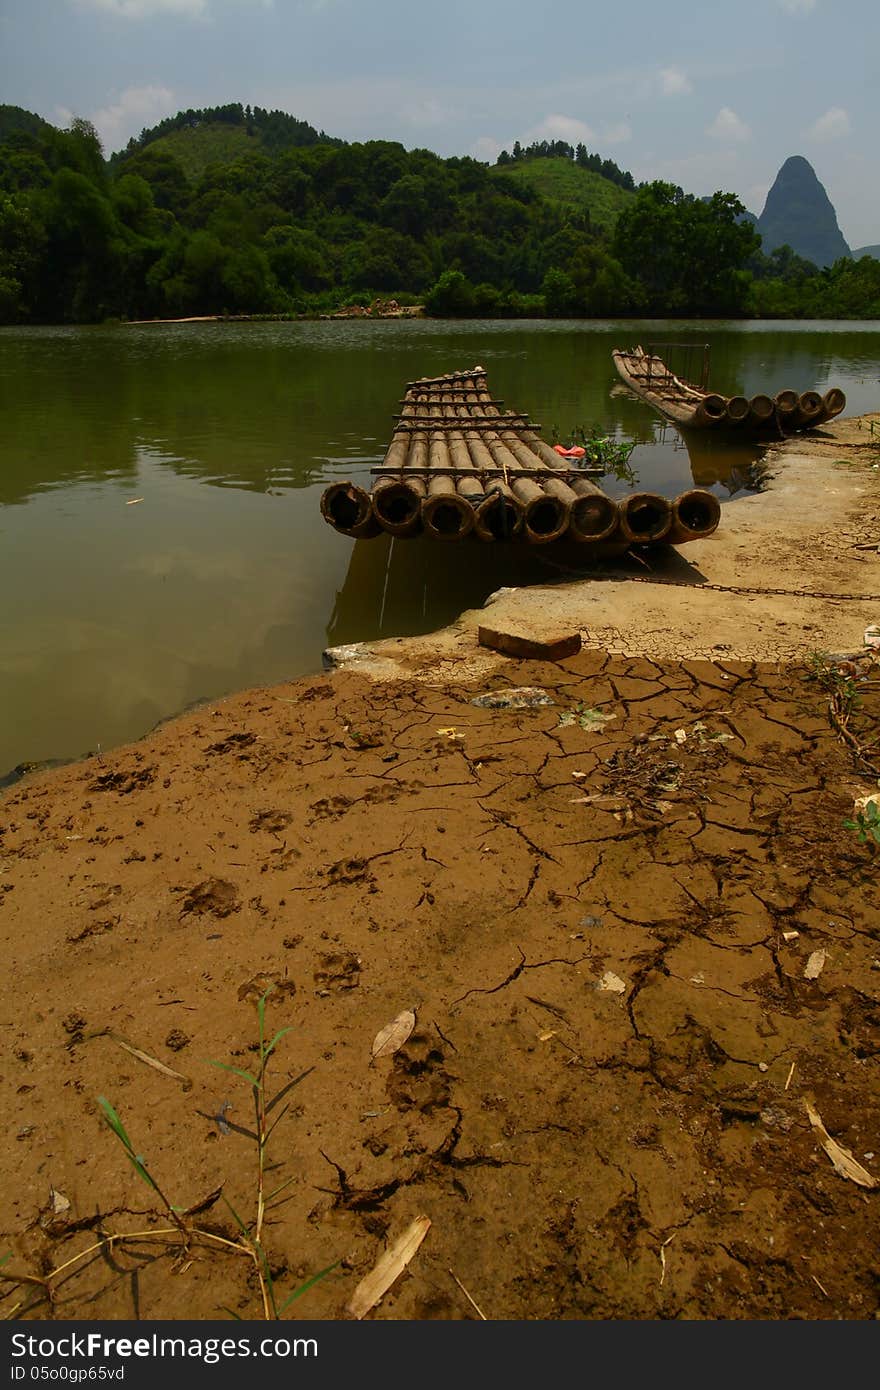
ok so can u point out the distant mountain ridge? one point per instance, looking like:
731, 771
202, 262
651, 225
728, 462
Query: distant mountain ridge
798, 213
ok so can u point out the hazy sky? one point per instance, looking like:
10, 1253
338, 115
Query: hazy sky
708, 96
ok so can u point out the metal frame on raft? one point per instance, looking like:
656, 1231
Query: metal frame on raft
695, 407
458, 466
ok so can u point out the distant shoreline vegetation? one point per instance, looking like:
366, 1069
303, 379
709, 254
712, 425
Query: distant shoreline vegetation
239, 211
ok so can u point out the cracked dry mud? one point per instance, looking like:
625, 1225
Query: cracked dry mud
582, 1151
603, 929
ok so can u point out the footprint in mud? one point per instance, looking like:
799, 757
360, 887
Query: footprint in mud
418, 1079
233, 744
385, 791
266, 982
338, 971
338, 805
104, 895
348, 871
93, 929
123, 782
271, 821
217, 896
330, 806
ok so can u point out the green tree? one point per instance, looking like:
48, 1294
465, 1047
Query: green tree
451, 297
560, 294
688, 253
22, 248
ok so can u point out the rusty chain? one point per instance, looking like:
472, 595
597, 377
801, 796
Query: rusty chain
723, 588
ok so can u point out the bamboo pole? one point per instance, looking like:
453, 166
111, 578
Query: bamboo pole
468, 484
547, 504
397, 499
592, 516
446, 515
501, 515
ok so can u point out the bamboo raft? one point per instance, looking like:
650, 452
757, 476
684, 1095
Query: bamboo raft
693, 407
458, 466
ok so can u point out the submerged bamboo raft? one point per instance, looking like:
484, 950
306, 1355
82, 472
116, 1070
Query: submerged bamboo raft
693, 407
459, 466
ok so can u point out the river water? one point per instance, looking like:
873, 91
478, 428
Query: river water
160, 534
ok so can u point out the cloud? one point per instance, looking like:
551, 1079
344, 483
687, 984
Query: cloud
188, 9
674, 82
797, 6
559, 127
755, 196
135, 108
728, 126
148, 9
832, 126
427, 112
617, 134
705, 172
486, 149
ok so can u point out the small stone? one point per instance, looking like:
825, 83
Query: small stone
555, 648
762, 1066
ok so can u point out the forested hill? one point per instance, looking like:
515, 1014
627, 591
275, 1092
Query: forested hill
241, 211
218, 134
571, 188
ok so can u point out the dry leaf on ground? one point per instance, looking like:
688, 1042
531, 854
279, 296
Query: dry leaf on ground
393, 1035
146, 1058
388, 1267
844, 1163
611, 982
815, 965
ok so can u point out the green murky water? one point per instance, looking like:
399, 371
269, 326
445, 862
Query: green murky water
117, 612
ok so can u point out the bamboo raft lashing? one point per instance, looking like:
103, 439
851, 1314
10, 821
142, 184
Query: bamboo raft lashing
458, 465
694, 407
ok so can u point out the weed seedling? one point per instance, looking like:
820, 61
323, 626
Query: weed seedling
866, 824
603, 453
252, 1236
182, 1228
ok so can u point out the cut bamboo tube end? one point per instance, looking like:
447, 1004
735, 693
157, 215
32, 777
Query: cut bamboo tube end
737, 410
447, 517
833, 402
499, 517
809, 409
546, 519
397, 506
695, 515
761, 408
594, 515
645, 517
346, 507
